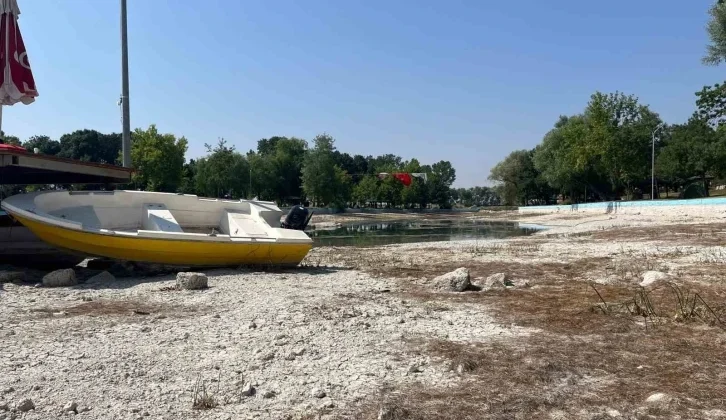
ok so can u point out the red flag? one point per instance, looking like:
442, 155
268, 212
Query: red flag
404, 178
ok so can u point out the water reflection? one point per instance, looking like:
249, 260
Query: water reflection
383, 233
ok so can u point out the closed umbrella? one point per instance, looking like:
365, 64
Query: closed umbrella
16, 77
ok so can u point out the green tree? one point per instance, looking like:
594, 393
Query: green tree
91, 146
158, 159
716, 29
288, 158
694, 149
224, 172
11, 140
44, 144
323, 181
366, 191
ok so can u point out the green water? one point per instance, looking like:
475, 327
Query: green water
384, 233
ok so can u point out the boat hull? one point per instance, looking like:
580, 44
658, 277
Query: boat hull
167, 251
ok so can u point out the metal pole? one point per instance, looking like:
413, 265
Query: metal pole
652, 163
126, 136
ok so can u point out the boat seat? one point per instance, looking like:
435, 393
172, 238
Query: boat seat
158, 217
238, 224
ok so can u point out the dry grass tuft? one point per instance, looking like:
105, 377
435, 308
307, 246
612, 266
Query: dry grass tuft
201, 399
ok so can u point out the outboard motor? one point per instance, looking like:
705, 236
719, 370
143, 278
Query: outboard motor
298, 218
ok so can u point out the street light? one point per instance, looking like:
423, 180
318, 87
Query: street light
652, 163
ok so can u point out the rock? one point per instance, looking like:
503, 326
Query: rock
613, 413
327, 405
12, 276
248, 390
290, 356
25, 405
265, 356
269, 394
71, 406
60, 278
318, 393
8, 390
298, 351
494, 281
252, 325
650, 277
191, 281
103, 277
4, 407
455, 281
38, 285
658, 398
121, 269
415, 368
83, 409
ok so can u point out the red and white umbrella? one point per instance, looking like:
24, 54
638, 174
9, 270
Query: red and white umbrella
16, 77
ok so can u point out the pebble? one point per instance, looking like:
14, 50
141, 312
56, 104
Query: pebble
298, 351
290, 356
25, 405
252, 325
4, 406
248, 390
318, 393
269, 394
70, 406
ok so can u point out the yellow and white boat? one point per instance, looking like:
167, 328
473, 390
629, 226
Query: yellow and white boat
163, 228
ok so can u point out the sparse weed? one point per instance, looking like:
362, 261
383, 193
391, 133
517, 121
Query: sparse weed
201, 399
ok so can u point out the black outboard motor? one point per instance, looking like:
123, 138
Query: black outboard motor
298, 218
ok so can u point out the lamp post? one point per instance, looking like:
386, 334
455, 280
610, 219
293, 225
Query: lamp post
652, 162
126, 125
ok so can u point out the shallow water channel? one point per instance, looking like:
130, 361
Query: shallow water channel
384, 233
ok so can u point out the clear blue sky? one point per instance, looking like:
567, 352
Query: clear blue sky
465, 81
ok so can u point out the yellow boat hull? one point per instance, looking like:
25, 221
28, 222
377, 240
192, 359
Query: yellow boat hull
165, 251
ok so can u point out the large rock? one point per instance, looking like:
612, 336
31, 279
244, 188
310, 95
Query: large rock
455, 281
103, 277
12, 276
60, 278
651, 277
191, 281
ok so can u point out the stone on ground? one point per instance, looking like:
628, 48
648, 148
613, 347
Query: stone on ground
658, 398
70, 406
191, 281
318, 393
494, 281
60, 278
103, 277
455, 281
25, 405
651, 277
12, 276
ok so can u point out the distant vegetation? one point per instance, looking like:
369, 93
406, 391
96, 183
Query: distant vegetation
284, 169
605, 152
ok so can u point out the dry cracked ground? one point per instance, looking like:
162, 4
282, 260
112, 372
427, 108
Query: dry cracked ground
360, 333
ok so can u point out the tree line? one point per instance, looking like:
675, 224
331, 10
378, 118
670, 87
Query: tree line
287, 170
605, 152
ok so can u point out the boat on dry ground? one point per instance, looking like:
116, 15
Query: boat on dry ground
163, 228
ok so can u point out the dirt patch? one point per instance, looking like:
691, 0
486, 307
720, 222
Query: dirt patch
582, 362
104, 307
682, 234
